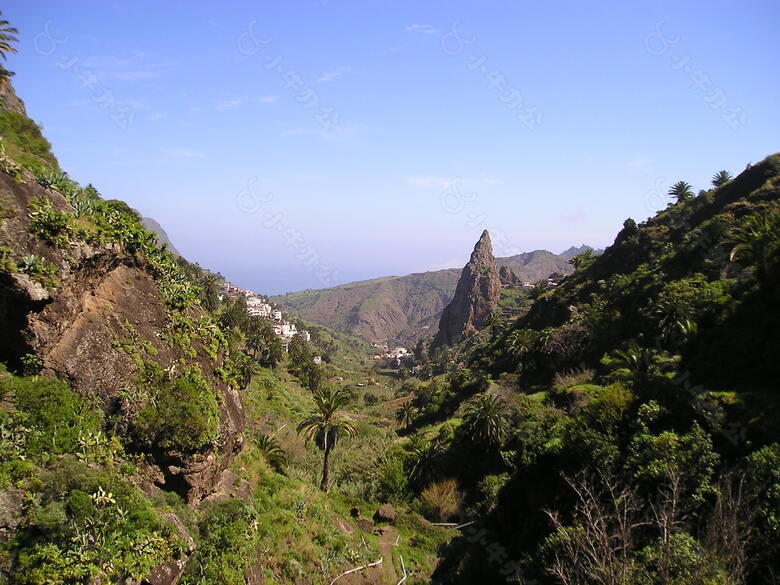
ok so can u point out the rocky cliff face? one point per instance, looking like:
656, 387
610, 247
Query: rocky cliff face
476, 296
84, 324
508, 277
8, 97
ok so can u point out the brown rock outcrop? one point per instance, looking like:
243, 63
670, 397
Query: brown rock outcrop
476, 296
102, 297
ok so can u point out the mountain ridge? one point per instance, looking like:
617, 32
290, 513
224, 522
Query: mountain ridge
404, 308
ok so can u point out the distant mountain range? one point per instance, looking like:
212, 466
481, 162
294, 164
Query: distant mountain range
406, 308
162, 237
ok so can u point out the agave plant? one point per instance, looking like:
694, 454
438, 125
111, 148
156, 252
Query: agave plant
81, 204
31, 264
49, 179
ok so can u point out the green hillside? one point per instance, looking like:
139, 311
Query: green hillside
403, 308
626, 429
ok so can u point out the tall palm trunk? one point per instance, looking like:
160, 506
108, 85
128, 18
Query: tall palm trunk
325, 465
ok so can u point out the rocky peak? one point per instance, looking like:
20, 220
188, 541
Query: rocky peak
508, 277
476, 295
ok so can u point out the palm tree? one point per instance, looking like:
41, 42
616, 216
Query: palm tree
494, 320
675, 321
263, 343
582, 259
246, 367
538, 289
636, 359
756, 240
7, 37
209, 283
721, 178
405, 414
681, 191
326, 425
486, 420
273, 452
423, 462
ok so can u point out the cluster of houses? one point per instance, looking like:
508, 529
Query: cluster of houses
552, 281
397, 354
258, 306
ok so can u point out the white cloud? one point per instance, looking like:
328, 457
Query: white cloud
421, 28
182, 153
428, 182
641, 164
231, 103
332, 74
294, 132
132, 66
156, 116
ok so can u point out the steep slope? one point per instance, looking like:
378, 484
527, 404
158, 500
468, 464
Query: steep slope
638, 395
535, 266
154, 226
405, 308
476, 296
99, 312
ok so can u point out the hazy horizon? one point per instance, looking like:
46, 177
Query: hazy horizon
377, 113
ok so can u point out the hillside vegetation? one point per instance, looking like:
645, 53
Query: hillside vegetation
151, 432
625, 429
403, 308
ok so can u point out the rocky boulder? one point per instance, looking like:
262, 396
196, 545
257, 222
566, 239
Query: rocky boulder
385, 513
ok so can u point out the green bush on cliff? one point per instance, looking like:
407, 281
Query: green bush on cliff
53, 227
88, 526
23, 135
49, 414
181, 415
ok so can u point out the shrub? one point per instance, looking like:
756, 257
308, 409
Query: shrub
272, 451
53, 227
87, 527
54, 414
227, 545
7, 263
182, 415
441, 501
24, 134
488, 488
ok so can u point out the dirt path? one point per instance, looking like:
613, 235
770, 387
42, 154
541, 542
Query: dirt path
386, 540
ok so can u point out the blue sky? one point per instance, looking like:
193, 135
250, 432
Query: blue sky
364, 198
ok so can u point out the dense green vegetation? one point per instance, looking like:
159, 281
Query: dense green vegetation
81, 517
620, 428
625, 429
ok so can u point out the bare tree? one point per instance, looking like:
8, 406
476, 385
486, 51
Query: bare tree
598, 548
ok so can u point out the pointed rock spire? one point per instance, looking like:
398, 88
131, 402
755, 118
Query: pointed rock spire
476, 295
